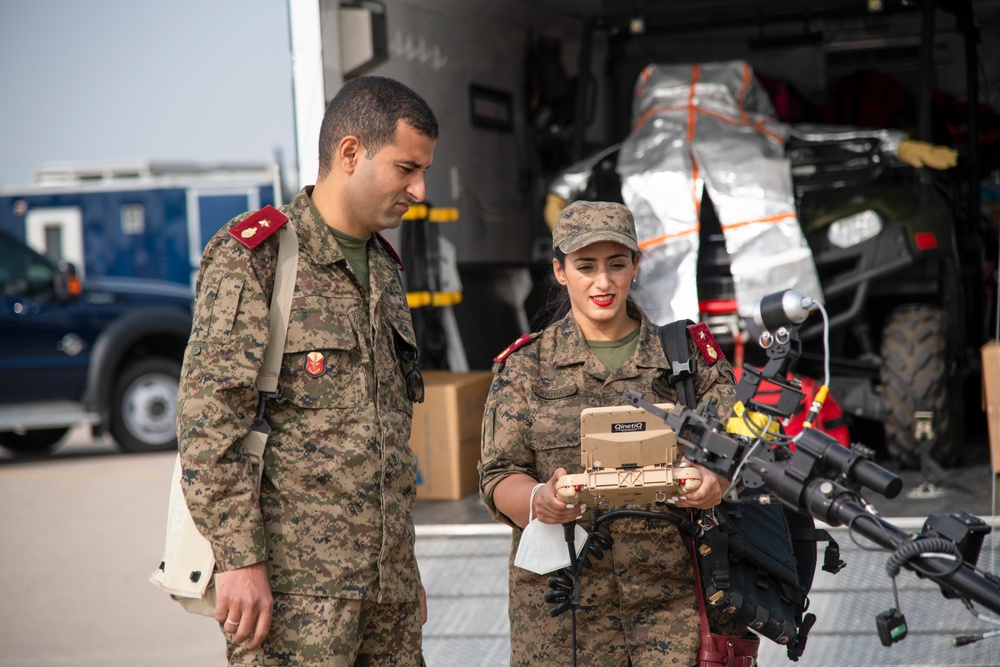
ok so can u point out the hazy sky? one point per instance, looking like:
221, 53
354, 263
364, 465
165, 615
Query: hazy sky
93, 80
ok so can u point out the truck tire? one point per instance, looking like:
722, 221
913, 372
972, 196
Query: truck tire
144, 407
30, 443
916, 378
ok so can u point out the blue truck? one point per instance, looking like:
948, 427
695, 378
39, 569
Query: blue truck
138, 219
97, 265
105, 352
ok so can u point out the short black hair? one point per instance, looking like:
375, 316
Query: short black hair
370, 108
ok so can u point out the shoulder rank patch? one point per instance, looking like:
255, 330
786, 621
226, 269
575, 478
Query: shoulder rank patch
522, 340
389, 249
258, 227
703, 338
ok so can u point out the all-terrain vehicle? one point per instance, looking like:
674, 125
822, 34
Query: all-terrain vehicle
906, 262
883, 241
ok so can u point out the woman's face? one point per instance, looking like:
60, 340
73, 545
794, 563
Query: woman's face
598, 278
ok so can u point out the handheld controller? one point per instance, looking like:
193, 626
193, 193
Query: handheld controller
646, 484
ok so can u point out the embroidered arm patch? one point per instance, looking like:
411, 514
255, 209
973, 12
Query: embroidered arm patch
703, 338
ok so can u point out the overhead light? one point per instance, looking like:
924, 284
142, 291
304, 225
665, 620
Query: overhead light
637, 26
875, 6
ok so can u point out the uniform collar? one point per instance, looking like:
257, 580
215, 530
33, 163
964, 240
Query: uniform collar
317, 240
314, 235
571, 347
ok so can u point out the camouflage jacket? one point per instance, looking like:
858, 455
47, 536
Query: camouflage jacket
531, 425
333, 518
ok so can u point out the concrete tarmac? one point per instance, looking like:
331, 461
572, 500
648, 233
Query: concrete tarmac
83, 530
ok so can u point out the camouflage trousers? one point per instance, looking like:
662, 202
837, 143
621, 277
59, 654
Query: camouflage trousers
638, 606
309, 631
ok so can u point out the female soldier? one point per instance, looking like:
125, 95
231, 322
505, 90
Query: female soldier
638, 603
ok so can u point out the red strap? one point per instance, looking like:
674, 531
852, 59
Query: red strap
707, 656
698, 592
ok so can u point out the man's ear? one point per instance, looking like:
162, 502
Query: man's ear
349, 153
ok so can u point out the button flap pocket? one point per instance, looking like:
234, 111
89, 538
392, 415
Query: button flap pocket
318, 330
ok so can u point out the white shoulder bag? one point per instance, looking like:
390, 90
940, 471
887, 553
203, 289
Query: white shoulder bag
187, 570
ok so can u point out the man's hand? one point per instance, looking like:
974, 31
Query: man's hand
245, 603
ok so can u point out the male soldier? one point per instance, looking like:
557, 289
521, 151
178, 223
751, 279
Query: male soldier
321, 569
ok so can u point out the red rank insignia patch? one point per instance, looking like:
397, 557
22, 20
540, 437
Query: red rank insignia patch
703, 338
523, 340
315, 364
258, 227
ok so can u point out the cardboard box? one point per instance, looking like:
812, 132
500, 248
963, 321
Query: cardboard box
991, 397
446, 433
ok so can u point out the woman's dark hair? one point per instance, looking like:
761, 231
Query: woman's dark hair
557, 302
369, 108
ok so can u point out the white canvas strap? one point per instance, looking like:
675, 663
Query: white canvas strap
281, 305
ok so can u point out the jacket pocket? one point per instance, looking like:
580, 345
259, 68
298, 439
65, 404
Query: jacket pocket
321, 367
407, 381
556, 423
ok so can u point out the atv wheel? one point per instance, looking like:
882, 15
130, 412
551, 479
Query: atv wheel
32, 443
916, 378
144, 411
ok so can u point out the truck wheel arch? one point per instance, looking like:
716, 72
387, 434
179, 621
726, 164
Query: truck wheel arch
162, 328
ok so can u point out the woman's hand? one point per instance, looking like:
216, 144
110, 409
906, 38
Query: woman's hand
706, 496
547, 506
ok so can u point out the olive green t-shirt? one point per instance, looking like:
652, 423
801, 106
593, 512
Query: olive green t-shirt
356, 251
614, 353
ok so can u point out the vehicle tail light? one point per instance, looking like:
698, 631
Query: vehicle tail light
925, 240
717, 306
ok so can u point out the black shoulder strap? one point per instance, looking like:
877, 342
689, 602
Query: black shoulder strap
673, 338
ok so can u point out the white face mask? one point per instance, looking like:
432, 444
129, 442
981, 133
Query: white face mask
542, 548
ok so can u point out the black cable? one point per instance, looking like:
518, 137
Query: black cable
923, 547
878, 524
760, 432
565, 590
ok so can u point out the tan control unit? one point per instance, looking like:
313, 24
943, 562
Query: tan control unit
628, 456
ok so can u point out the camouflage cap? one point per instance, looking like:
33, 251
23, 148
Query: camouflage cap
585, 222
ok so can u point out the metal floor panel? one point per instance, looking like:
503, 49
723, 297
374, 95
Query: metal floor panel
466, 652
466, 582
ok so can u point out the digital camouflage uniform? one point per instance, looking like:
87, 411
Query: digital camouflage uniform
638, 601
333, 520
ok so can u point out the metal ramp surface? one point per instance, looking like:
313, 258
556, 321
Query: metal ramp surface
465, 576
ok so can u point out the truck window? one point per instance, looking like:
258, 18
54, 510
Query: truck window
23, 272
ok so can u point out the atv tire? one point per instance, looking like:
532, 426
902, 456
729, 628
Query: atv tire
916, 377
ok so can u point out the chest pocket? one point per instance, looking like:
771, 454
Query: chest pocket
556, 416
322, 365
555, 432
